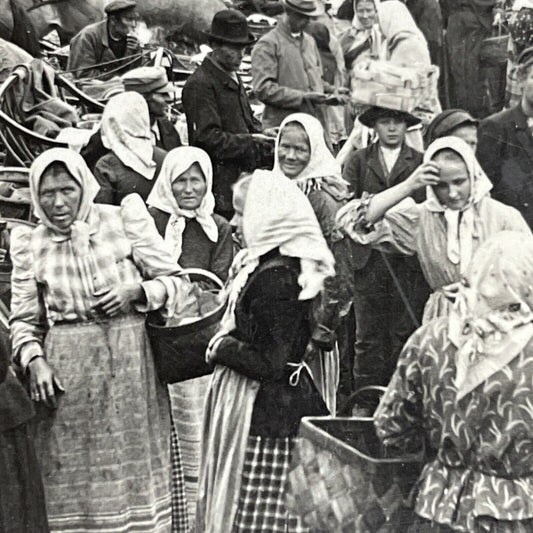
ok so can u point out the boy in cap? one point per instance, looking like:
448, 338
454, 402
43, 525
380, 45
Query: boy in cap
505, 148
382, 321
219, 117
105, 41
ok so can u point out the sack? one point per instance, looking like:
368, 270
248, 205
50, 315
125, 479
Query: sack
179, 351
493, 51
384, 84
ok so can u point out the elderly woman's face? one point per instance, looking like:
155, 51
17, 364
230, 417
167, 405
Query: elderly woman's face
453, 190
294, 151
60, 197
189, 188
366, 13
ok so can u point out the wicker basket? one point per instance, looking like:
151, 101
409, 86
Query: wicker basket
341, 480
179, 351
381, 83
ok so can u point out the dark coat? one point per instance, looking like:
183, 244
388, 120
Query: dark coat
364, 173
197, 251
168, 139
220, 120
272, 330
116, 180
505, 151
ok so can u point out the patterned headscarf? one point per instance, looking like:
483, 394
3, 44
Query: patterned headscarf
125, 131
461, 224
492, 320
175, 164
322, 166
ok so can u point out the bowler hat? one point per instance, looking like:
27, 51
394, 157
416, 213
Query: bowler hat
311, 8
119, 5
230, 26
369, 117
146, 80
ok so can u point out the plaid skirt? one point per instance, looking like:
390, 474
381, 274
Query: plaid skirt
262, 495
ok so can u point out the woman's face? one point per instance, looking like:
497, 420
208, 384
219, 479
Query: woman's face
60, 197
453, 190
294, 151
366, 13
468, 133
239, 197
189, 188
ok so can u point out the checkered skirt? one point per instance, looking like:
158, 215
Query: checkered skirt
262, 496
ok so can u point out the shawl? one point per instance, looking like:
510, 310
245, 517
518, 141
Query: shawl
461, 224
125, 131
178, 161
397, 25
323, 170
355, 36
492, 319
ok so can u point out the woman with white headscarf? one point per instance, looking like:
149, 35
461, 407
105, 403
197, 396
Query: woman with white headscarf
301, 154
182, 204
261, 387
464, 385
132, 163
446, 229
81, 283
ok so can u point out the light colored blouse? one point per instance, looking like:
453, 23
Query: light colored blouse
410, 228
51, 284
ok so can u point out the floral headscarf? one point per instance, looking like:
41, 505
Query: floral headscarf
175, 164
461, 224
492, 320
125, 131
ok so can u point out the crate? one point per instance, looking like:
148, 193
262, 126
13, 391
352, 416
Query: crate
381, 83
342, 480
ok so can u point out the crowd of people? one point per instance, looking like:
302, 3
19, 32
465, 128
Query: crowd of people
358, 245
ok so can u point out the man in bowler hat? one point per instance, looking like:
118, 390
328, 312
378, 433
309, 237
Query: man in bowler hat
219, 116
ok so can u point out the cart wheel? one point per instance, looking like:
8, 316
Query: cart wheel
363, 402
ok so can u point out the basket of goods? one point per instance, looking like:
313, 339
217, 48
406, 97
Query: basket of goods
180, 342
343, 479
494, 50
384, 84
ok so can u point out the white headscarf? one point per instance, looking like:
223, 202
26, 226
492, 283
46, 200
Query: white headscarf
461, 224
395, 21
125, 130
178, 161
278, 215
78, 232
322, 165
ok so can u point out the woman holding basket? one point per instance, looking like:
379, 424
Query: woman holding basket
261, 387
182, 205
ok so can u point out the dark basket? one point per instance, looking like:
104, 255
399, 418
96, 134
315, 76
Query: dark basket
179, 351
342, 479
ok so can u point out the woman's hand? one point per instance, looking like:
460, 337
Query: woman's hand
117, 300
426, 174
43, 382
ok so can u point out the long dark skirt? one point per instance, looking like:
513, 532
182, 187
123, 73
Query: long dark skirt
22, 506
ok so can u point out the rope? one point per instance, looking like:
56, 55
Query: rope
123, 64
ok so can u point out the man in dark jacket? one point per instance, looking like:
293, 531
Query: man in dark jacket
94, 51
152, 83
219, 116
505, 148
383, 323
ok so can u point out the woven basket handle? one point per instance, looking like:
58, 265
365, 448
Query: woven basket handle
204, 273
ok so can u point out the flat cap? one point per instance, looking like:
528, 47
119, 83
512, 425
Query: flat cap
146, 80
119, 5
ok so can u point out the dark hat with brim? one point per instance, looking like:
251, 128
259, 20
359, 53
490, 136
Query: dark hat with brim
369, 117
230, 26
446, 122
116, 6
311, 8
